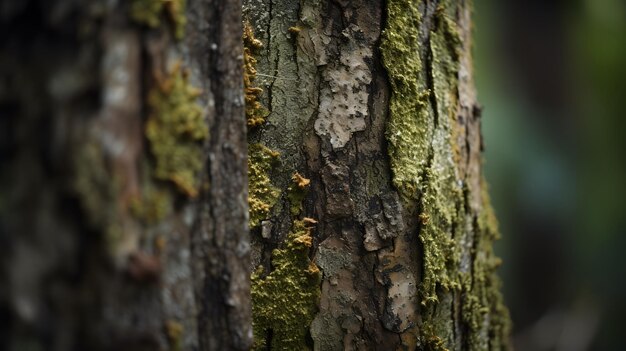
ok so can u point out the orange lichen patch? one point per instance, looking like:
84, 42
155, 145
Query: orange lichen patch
300, 180
424, 218
307, 220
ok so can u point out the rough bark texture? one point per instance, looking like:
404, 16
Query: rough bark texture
123, 182
368, 154
124, 220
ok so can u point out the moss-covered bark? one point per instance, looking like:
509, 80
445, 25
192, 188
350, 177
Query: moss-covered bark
124, 216
286, 298
124, 221
376, 106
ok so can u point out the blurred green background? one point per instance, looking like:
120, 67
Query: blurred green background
551, 76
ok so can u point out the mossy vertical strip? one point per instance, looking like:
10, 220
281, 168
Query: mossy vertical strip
443, 197
445, 46
420, 136
255, 112
175, 129
410, 125
484, 311
284, 302
423, 70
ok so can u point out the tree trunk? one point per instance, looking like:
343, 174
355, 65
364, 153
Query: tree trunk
123, 212
123, 176
365, 174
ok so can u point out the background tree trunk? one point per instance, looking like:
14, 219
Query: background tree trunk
123, 176
124, 187
370, 132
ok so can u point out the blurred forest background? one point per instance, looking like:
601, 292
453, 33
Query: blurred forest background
551, 76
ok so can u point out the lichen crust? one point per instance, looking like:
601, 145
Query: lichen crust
175, 129
284, 302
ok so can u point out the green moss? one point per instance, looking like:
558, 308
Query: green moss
262, 195
422, 134
445, 47
440, 251
443, 198
410, 126
175, 130
151, 12
285, 301
419, 139
255, 112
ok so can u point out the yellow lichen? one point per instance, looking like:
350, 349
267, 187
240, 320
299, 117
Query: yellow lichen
255, 112
284, 301
175, 129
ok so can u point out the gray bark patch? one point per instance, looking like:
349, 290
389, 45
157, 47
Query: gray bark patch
343, 99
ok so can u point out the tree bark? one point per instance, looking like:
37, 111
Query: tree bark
123, 206
124, 199
373, 105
